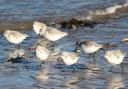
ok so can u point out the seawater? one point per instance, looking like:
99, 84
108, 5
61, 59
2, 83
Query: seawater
52, 75
26, 10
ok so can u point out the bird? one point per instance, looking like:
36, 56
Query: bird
124, 40
70, 58
15, 37
39, 27
115, 57
91, 47
42, 53
53, 34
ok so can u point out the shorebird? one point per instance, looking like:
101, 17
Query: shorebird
91, 47
54, 34
42, 53
115, 57
39, 28
70, 58
124, 40
15, 37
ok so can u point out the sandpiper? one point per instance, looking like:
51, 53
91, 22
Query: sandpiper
39, 28
42, 53
15, 37
115, 57
54, 34
90, 47
124, 40
70, 58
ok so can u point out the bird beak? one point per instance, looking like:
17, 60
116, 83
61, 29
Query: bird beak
78, 44
39, 35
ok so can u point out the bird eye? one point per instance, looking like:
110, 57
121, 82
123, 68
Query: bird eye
40, 30
118, 57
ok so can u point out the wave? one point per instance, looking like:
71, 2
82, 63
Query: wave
95, 17
89, 18
98, 15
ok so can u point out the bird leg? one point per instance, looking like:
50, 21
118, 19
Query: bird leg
42, 62
94, 59
18, 46
52, 44
111, 68
90, 56
74, 68
122, 67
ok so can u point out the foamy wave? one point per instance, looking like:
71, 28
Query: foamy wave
112, 9
93, 17
106, 12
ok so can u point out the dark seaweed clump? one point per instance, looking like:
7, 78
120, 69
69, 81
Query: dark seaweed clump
15, 60
74, 23
18, 59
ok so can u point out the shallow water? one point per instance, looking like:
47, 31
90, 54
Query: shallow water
26, 10
53, 75
19, 15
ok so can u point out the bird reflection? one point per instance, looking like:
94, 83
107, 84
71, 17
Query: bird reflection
115, 81
42, 76
72, 81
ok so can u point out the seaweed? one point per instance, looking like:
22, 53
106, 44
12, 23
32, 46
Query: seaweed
15, 60
74, 23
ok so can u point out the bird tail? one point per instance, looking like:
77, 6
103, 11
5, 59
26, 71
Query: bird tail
108, 45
